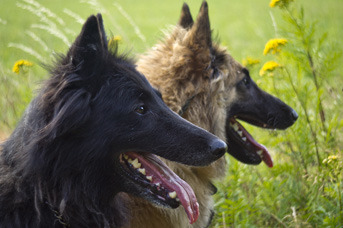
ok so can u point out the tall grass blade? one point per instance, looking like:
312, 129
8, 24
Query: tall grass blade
28, 50
130, 20
38, 40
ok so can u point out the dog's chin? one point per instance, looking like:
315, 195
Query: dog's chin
155, 182
243, 146
237, 150
158, 199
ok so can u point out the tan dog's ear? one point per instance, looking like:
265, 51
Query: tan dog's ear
200, 33
186, 20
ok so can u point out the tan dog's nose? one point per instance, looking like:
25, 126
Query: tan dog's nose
294, 115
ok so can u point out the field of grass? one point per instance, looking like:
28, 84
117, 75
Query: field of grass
304, 189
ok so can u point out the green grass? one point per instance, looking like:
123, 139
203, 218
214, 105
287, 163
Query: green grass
303, 189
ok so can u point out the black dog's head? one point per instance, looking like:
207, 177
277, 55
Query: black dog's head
101, 123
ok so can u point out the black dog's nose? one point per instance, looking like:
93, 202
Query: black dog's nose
218, 147
294, 115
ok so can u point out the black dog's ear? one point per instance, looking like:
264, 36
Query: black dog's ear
186, 20
102, 31
90, 44
200, 33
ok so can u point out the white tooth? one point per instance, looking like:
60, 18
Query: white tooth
158, 184
240, 133
142, 171
235, 126
136, 164
172, 194
149, 178
126, 157
244, 139
259, 152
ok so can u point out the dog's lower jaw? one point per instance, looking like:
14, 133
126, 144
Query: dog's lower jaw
199, 179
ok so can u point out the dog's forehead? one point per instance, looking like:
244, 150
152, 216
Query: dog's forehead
223, 60
237, 70
241, 73
139, 81
129, 72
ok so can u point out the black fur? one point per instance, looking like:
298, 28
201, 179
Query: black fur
64, 154
259, 108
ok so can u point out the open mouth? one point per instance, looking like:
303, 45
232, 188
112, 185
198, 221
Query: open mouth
254, 151
148, 171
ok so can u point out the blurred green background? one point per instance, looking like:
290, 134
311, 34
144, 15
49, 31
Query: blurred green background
301, 190
242, 25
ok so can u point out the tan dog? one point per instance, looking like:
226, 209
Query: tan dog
199, 80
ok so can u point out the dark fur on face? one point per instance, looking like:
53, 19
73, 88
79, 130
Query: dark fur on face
65, 158
258, 108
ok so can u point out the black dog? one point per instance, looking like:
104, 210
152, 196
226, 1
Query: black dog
91, 133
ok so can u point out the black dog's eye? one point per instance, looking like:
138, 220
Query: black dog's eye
141, 109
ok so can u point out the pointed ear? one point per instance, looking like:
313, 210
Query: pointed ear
200, 32
90, 43
186, 20
102, 31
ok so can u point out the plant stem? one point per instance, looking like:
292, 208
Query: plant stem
278, 220
340, 198
314, 74
313, 133
301, 29
224, 223
289, 144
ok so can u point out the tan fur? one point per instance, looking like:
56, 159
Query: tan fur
179, 68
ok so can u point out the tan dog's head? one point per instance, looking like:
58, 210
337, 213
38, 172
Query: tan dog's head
201, 81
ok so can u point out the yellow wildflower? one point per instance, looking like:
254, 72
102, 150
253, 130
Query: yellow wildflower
331, 158
280, 3
274, 45
273, 3
250, 61
269, 67
20, 63
114, 40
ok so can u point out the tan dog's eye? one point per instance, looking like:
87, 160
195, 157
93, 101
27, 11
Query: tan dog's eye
245, 81
215, 73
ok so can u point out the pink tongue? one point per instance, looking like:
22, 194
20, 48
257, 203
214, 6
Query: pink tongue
168, 179
265, 156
